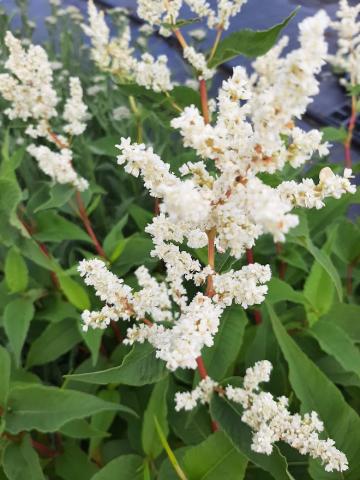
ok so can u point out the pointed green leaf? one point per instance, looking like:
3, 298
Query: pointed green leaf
16, 271
139, 367
126, 467
227, 343
74, 292
52, 227
214, 459
37, 407
248, 42
157, 407
20, 461
55, 340
334, 341
280, 291
5, 366
317, 392
17, 317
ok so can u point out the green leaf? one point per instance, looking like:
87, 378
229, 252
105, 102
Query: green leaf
92, 339
17, 317
347, 244
248, 42
319, 289
334, 341
280, 291
227, 343
5, 366
346, 316
354, 89
156, 408
317, 392
37, 407
20, 461
74, 464
9, 200
331, 134
102, 421
139, 367
140, 216
136, 252
51, 227
74, 292
105, 146
30, 249
82, 429
59, 195
325, 261
228, 415
213, 459
115, 234
126, 467
55, 340
16, 271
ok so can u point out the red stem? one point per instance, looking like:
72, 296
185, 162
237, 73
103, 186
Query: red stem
347, 143
87, 224
43, 450
250, 256
116, 330
203, 374
204, 101
282, 265
201, 368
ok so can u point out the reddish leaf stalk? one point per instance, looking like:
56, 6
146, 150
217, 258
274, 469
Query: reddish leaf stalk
117, 332
348, 141
282, 265
204, 101
43, 450
87, 224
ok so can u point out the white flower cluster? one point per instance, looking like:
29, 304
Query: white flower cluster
199, 62
153, 299
29, 86
272, 422
244, 287
58, 165
307, 194
201, 394
75, 110
249, 136
121, 301
160, 12
347, 57
181, 345
110, 289
269, 417
29, 89
117, 56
